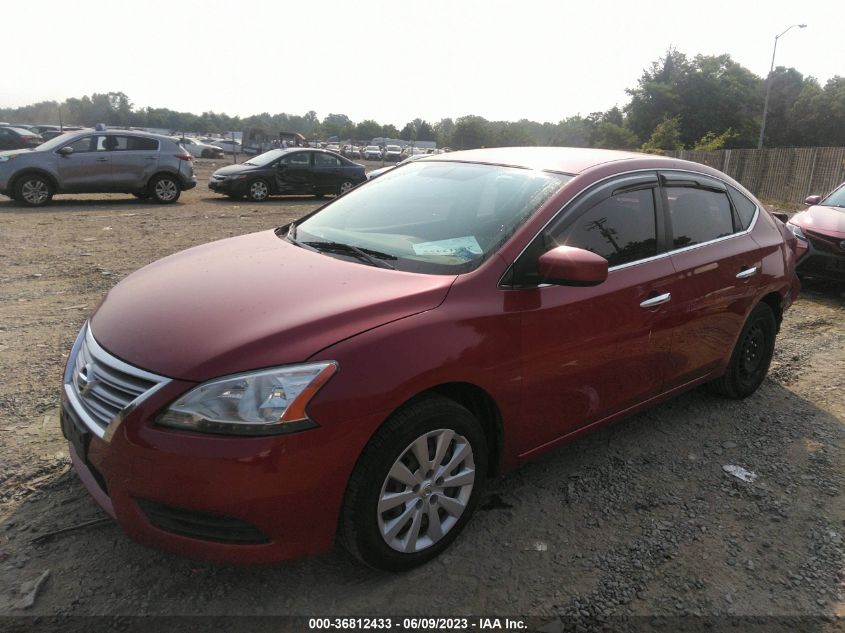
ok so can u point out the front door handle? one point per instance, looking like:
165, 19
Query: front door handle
656, 301
746, 273
102, 160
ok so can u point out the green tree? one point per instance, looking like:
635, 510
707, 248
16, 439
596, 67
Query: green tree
471, 132
666, 136
711, 141
367, 130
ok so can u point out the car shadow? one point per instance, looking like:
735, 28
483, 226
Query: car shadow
638, 518
10, 206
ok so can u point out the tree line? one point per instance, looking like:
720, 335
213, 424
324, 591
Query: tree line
704, 102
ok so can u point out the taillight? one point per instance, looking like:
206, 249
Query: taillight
184, 157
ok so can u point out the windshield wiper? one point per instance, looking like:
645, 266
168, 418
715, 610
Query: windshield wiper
366, 255
290, 238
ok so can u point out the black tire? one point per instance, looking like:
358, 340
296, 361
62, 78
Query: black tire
33, 190
258, 190
751, 356
345, 186
164, 189
361, 523
207, 153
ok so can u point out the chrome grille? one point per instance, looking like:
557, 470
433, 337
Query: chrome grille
102, 387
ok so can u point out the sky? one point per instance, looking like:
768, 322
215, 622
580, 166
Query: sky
395, 60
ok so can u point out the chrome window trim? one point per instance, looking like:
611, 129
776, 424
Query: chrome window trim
647, 260
107, 359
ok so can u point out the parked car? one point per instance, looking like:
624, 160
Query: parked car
365, 369
288, 171
18, 138
227, 145
350, 151
198, 149
393, 154
821, 236
372, 152
375, 173
145, 165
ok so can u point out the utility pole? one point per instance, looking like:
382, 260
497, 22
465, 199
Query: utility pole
769, 84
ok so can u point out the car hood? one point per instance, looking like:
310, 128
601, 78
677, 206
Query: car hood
235, 169
15, 152
250, 302
822, 219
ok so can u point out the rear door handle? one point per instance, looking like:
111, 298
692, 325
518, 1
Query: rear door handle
102, 160
656, 301
746, 273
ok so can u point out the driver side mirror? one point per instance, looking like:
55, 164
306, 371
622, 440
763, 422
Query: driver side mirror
570, 266
67, 150
812, 200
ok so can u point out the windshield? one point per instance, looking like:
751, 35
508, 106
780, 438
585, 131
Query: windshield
836, 199
262, 160
433, 217
57, 141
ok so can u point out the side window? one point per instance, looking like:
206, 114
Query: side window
87, 144
698, 215
301, 159
115, 143
325, 160
744, 207
139, 143
622, 228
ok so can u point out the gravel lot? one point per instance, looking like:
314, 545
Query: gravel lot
636, 519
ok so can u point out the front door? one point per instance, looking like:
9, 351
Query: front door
88, 168
591, 352
293, 173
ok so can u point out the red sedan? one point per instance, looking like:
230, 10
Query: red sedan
821, 236
364, 370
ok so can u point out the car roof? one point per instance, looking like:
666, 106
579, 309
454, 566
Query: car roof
567, 160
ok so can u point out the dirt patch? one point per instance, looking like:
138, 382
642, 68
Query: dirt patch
639, 518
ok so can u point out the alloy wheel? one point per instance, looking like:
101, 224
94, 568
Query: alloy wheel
35, 191
259, 190
426, 491
166, 190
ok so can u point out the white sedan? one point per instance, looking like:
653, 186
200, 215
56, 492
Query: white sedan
229, 146
198, 149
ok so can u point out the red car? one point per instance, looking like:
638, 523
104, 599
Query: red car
821, 236
364, 370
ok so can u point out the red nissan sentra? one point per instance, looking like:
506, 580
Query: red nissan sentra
361, 372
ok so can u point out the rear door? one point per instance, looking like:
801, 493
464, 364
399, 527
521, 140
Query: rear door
88, 168
134, 160
328, 172
591, 352
718, 266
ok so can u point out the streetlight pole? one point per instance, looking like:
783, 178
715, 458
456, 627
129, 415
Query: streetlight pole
769, 84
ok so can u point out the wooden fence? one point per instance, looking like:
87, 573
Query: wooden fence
786, 174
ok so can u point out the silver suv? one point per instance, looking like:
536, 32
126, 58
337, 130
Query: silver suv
113, 161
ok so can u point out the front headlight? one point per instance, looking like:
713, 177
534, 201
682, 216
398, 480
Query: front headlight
796, 231
266, 402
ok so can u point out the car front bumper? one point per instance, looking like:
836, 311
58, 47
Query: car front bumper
821, 261
231, 499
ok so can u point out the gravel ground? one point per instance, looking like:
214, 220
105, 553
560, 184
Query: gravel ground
639, 519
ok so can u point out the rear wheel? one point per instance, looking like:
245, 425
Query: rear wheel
164, 189
415, 485
751, 356
258, 191
33, 190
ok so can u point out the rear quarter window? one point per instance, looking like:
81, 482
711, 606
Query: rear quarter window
745, 208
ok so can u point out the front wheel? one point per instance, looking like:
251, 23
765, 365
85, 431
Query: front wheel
164, 189
415, 485
751, 356
33, 190
258, 191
